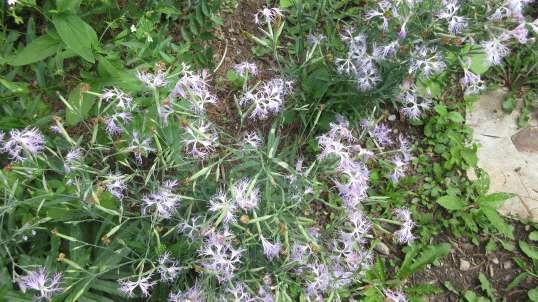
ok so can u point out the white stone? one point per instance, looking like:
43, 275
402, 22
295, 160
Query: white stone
510, 170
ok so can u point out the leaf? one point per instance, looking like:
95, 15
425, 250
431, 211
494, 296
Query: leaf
528, 250
486, 285
451, 202
469, 155
479, 62
494, 200
36, 51
68, 5
15, 87
497, 221
285, 3
533, 294
76, 34
431, 254
79, 103
533, 236
456, 117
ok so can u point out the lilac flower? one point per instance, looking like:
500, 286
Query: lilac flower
270, 250
495, 51
193, 294
360, 225
534, 26
405, 148
426, 60
140, 147
456, 24
252, 139
238, 293
265, 295
115, 185
41, 281
193, 229
395, 296
168, 268
385, 9
72, 157
511, 9
314, 39
246, 68
367, 74
384, 52
268, 14
471, 82
112, 121
222, 204
320, 280
413, 106
200, 140
23, 142
124, 101
144, 284
156, 80
520, 33
398, 169
354, 189
195, 88
267, 99
219, 257
381, 134
245, 195
404, 235
164, 201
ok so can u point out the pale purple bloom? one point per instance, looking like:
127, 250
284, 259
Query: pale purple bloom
399, 168
112, 122
270, 250
140, 147
395, 296
360, 225
72, 157
511, 9
495, 51
220, 203
456, 24
383, 52
194, 87
168, 268
115, 185
384, 9
164, 113
367, 74
314, 39
520, 33
192, 230
238, 293
404, 234
252, 139
200, 140
245, 194
144, 284
153, 80
265, 295
22, 142
56, 129
426, 61
413, 106
405, 147
268, 14
164, 201
472, 83
193, 294
267, 99
354, 190
381, 134
246, 68
320, 281
43, 282
124, 100
219, 257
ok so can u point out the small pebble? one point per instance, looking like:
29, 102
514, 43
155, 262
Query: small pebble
495, 260
464, 265
392, 117
382, 248
507, 264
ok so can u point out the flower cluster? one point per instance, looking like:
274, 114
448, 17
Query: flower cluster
22, 143
41, 281
267, 99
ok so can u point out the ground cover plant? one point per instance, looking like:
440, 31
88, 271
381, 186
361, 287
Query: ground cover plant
255, 151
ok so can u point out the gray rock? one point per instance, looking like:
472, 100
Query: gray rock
382, 248
464, 265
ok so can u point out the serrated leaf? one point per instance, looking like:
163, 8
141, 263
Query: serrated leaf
497, 221
430, 254
36, 51
486, 285
494, 200
451, 202
456, 117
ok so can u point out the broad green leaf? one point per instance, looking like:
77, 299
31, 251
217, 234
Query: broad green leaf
497, 221
478, 61
68, 5
456, 117
76, 34
530, 251
533, 294
494, 200
428, 88
285, 3
533, 236
37, 50
451, 202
